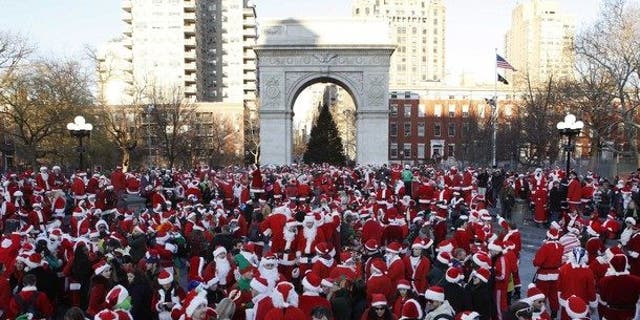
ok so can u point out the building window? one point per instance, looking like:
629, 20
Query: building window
465, 111
420, 129
452, 129
407, 111
393, 129
465, 127
394, 150
437, 130
407, 129
451, 150
421, 150
421, 110
394, 110
407, 151
437, 111
452, 110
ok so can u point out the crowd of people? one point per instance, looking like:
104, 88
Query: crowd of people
316, 242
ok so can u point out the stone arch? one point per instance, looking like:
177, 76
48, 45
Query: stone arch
293, 54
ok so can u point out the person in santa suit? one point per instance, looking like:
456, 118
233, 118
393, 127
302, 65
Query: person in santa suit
286, 251
261, 301
395, 265
100, 285
633, 246
78, 186
37, 217
383, 194
417, 266
611, 227
538, 180
612, 304
540, 212
455, 291
371, 229
535, 298
311, 298
411, 310
347, 268
310, 237
522, 188
378, 281
240, 292
572, 220
548, 260
219, 271
586, 197
574, 191
575, 278
168, 295
594, 245
42, 179
426, 193
462, 235
453, 180
273, 226
268, 269
404, 294
195, 307
59, 203
323, 262
439, 226
512, 260
285, 304
29, 294
372, 253
502, 273
378, 310
577, 309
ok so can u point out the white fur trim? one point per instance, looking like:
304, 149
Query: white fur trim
548, 277
74, 286
193, 305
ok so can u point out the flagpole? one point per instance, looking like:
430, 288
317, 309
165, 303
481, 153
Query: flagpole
494, 111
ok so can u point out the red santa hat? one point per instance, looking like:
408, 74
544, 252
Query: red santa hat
378, 266
106, 315
481, 259
454, 275
619, 264
403, 284
371, 245
259, 284
101, 267
311, 283
576, 307
116, 296
630, 221
553, 234
503, 223
434, 293
378, 300
411, 310
193, 300
421, 243
346, 257
446, 246
467, 315
444, 257
612, 251
219, 250
482, 273
593, 230
164, 277
394, 247
284, 295
323, 249
533, 293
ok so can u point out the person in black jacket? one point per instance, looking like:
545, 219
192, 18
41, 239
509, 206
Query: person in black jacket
479, 290
141, 294
555, 202
454, 290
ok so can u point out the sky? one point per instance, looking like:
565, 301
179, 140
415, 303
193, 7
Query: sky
475, 28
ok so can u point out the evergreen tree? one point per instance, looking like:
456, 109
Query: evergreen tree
324, 144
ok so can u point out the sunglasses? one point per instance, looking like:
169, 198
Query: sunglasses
378, 308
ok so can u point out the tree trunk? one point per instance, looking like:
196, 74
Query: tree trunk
126, 158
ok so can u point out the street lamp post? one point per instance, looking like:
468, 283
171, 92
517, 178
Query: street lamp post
569, 128
79, 128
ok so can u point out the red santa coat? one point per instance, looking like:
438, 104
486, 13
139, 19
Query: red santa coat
42, 303
395, 270
633, 252
289, 313
38, 218
614, 305
599, 267
574, 192
548, 260
594, 247
210, 271
42, 181
308, 301
538, 181
322, 267
587, 193
416, 271
539, 198
379, 284
579, 281
161, 297
262, 304
372, 230
514, 236
100, 286
273, 226
304, 191
78, 188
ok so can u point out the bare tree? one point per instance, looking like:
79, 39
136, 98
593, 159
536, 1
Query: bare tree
38, 100
610, 46
14, 49
251, 136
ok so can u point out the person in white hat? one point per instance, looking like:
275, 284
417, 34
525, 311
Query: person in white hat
437, 305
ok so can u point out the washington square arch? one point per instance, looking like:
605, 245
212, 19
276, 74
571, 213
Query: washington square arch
294, 54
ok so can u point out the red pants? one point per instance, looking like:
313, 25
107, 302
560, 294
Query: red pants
550, 290
500, 294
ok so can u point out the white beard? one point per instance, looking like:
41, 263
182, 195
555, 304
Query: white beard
310, 235
626, 236
271, 276
222, 269
288, 235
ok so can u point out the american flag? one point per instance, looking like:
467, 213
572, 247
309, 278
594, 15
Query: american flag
502, 63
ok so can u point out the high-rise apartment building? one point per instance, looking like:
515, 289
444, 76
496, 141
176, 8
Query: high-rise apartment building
539, 42
418, 28
201, 47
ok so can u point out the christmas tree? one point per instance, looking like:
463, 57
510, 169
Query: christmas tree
325, 145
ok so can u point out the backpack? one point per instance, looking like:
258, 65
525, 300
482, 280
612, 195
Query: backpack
28, 306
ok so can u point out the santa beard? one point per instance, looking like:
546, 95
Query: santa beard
288, 235
270, 275
310, 233
222, 269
